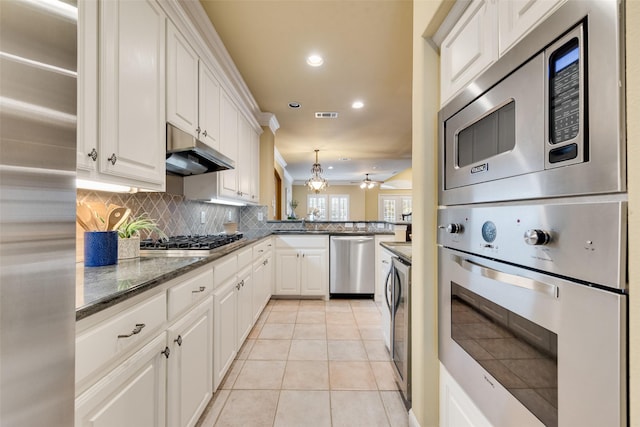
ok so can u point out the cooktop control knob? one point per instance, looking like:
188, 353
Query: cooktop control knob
536, 237
454, 228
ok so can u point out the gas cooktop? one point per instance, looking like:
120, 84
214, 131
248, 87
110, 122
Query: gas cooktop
196, 245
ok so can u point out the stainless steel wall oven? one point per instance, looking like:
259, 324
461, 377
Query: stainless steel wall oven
529, 344
533, 225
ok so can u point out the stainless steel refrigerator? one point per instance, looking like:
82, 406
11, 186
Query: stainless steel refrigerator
37, 212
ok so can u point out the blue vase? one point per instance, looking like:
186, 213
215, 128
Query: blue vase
100, 248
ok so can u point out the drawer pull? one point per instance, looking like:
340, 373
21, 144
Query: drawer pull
178, 340
166, 352
135, 331
201, 289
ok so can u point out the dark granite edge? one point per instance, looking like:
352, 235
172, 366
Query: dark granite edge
391, 247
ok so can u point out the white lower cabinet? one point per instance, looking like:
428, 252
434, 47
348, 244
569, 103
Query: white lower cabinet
302, 265
456, 407
225, 326
262, 284
245, 304
190, 365
132, 395
148, 363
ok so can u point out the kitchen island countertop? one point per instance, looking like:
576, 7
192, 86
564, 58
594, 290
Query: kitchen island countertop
401, 249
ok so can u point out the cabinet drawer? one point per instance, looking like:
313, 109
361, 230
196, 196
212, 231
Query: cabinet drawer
245, 256
261, 249
111, 338
189, 293
223, 269
300, 242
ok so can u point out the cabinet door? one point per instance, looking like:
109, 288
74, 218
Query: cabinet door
287, 277
228, 144
470, 47
243, 163
517, 17
259, 283
268, 279
255, 167
209, 111
313, 272
87, 109
132, 395
190, 381
182, 82
456, 408
225, 326
245, 305
132, 92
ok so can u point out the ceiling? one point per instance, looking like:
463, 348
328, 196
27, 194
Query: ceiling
367, 51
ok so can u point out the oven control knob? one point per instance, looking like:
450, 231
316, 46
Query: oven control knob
454, 228
536, 237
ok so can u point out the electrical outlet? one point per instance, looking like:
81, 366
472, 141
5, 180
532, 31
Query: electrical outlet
203, 217
260, 216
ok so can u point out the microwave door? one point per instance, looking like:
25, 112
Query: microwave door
500, 134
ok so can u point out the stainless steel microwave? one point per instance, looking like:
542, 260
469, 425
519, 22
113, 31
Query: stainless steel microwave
545, 120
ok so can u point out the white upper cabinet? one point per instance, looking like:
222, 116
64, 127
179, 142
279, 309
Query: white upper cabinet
255, 167
121, 93
486, 30
182, 82
244, 160
517, 17
193, 92
470, 47
209, 111
132, 91
228, 145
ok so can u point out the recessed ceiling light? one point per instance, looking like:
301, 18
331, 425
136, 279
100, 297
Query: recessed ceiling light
357, 104
330, 167
315, 60
294, 105
344, 159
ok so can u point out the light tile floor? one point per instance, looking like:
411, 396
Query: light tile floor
311, 363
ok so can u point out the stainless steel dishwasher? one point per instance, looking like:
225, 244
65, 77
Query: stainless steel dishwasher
351, 265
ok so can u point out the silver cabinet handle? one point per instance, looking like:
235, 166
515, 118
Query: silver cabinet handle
113, 159
178, 340
242, 283
238, 286
201, 289
260, 250
204, 133
510, 279
384, 261
198, 129
93, 154
135, 331
166, 352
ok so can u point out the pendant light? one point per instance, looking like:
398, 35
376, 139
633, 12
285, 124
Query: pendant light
316, 183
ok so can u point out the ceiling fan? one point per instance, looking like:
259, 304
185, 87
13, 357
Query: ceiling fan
368, 183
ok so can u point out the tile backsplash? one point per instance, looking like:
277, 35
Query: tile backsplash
174, 215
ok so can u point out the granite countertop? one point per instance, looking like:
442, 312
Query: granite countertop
98, 288
401, 249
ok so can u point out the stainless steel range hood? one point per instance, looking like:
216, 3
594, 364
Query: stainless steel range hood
187, 155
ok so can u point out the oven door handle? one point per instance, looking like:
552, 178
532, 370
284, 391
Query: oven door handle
511, 279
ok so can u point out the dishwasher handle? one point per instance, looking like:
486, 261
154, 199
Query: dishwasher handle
358, 239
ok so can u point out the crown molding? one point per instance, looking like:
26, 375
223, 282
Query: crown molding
227, 70
270, 120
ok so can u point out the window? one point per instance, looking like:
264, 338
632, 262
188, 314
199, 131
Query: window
333, 207
392, 207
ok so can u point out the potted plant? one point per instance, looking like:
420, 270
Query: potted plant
129, 235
